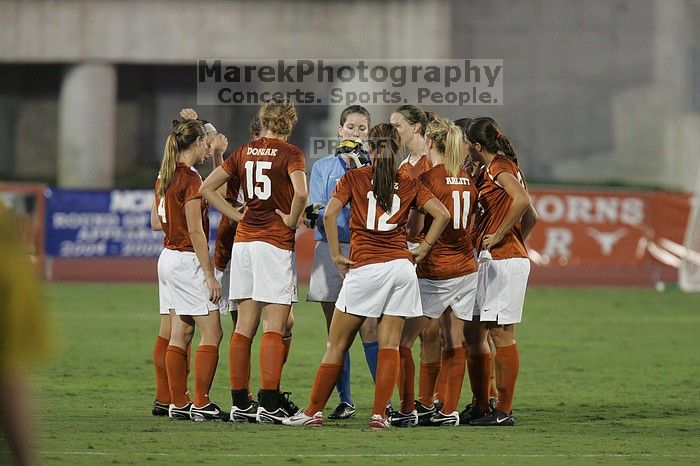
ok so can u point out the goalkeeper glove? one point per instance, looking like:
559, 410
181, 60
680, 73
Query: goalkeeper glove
310, 215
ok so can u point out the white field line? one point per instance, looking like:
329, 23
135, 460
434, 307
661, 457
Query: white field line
379, 455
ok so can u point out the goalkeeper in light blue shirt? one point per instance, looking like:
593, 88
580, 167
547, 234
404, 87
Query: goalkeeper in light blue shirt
326, 281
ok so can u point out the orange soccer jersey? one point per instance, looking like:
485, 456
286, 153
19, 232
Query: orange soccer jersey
171, 208
227, 229
493, 205
378, 236
451, 256
414, 171
262, 168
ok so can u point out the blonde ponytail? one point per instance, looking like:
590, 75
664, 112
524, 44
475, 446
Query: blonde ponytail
169, 163
448, 140
180, 138
454, 150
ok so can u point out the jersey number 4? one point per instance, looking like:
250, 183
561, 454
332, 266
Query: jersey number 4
384, 224
254, 174
161, 210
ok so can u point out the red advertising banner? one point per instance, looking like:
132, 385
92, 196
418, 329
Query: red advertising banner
607, 237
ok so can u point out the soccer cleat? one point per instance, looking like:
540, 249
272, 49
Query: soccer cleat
492, 402
440, 419
377, 421
248, 414
288, 405
424, 413
210, 412
470, 413
160, 409
343, 411
179, 414
399, 419
271, 417
495, 418
303, 419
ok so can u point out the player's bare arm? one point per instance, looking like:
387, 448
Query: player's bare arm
155, 219
301, 195
521, 202
529, 220
329, 223
193, 214
441, 218
210, 191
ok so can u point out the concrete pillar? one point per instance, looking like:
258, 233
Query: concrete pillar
87, 125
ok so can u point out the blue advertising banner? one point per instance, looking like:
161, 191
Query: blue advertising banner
104, 224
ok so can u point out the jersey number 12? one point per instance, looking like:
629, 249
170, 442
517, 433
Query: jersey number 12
384, 224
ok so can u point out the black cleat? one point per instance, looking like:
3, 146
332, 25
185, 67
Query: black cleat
343, 411
288, 405
246, 415
424, 413
495, 418
440, 419
179, 414
160, 409
271, 417
470, 413
210, 412
399, 419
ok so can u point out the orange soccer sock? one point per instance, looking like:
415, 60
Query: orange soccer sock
287, 342
480, 367
440, 384
205, 360
426, 382
388, 361
271, 357
176, 364
239, 357
162, 388
326, 377
453, 366
189, 357
507, 367
407, 376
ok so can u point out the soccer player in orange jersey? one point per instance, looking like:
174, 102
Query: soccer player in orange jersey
447, 276
505, 217
222, 258
381, 280
272, 174
188, 289
411, 122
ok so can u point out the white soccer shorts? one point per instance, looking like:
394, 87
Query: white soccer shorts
263, 272
501, 289
458, 293
389, 288
182, 285
325, 282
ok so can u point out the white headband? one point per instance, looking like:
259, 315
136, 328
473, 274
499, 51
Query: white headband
209, 128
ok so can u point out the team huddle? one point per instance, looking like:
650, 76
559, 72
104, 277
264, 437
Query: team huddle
419, 225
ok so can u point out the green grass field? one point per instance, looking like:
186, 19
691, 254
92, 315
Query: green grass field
607, 376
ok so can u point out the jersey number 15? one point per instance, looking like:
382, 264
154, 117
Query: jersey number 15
254, 174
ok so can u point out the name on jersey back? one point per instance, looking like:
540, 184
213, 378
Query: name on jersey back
261, 151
